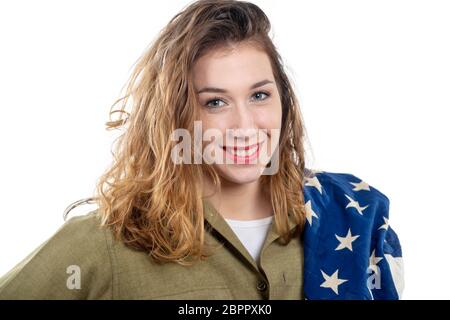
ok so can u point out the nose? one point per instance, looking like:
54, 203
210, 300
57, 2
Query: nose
243, 127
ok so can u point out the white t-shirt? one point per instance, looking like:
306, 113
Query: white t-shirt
251, 233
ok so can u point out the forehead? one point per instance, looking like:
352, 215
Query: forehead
228, 67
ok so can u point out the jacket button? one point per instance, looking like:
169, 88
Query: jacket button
261, 286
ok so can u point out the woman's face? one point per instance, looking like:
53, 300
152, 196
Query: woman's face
241, 106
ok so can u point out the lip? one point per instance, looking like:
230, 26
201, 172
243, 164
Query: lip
242, 148
245, 159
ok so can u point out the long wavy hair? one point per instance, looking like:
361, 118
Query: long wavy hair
149, 202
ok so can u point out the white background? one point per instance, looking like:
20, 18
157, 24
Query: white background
373, 79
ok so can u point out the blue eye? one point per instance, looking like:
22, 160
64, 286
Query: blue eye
261, 95
214, 103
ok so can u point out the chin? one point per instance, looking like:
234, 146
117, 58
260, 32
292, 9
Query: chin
240, 174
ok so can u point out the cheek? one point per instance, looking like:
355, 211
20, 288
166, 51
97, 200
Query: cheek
213, 126
269, 118
212, 121
213, 130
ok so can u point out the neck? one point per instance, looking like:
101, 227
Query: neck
240, 201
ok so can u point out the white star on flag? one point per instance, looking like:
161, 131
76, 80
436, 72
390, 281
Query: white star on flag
360, 186
314, 182
346, 228
355, 204
373, 261
346, 242
332, 282
385, 225
309, 212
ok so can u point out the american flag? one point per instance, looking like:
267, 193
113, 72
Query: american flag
350, 251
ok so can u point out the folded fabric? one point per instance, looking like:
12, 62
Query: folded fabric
350, 251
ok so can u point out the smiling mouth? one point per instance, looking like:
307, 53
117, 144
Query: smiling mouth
243, 152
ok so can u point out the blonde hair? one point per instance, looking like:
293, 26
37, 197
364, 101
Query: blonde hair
149, 202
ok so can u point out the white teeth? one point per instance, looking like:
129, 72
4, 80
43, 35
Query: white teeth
243, 153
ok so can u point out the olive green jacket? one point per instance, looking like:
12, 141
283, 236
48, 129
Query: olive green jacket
83, 261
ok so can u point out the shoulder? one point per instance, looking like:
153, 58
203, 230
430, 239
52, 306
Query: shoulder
73, 263
340, 181
79, 238
347, 234
338, 195
81, 228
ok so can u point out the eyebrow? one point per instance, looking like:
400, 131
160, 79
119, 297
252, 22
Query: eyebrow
219, 90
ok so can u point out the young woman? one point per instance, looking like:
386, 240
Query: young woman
247, 221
